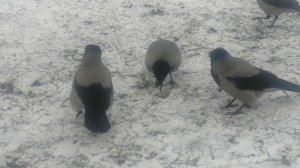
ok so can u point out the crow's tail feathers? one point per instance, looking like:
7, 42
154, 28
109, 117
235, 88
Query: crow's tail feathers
286, 85
96, 121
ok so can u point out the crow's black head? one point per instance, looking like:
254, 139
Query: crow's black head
92, 49
218, 54
160, 69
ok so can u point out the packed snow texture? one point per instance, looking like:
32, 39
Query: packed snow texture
42, 42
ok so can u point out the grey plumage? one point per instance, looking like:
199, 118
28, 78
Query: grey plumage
277, 7
162, 58
242, 80
92, 90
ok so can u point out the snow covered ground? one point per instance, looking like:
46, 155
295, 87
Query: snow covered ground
42, 42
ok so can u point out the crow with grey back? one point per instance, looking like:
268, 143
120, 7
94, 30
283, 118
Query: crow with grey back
277, 7
242, 80
162, 58
92, 90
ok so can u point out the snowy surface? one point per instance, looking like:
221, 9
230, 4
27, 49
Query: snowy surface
41, 44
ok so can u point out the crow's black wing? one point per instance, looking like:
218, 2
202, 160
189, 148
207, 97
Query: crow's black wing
263, 80
289, 4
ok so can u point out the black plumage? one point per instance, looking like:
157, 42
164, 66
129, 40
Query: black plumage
96, 100
288, 4
262, 81
161, 69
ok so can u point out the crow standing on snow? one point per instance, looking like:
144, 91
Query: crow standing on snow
277, 7
92, 90
162, 58
242, 80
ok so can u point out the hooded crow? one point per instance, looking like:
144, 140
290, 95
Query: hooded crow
244, 81
92, 90
162, 58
